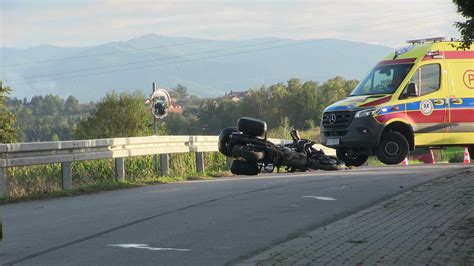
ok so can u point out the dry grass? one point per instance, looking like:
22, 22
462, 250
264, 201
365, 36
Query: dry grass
44, 181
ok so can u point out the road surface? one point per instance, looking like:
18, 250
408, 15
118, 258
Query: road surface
211, 222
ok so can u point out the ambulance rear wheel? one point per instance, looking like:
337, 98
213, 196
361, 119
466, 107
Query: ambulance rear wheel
393, 148
351, 158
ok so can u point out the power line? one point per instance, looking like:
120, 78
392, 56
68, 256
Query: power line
153, 60
159, 59
176, 62
181, 44
101, 54
191, 60
137, 49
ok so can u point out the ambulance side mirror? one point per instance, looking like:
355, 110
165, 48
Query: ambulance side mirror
412, 90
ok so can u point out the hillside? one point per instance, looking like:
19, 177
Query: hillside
206, 67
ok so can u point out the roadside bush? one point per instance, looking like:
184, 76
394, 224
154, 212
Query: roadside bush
456, 158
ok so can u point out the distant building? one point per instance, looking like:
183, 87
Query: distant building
236, 96
175, 108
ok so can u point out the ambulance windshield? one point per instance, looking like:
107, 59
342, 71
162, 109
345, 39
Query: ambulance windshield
383, 79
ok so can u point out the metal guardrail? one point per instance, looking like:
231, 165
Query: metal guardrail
66, 152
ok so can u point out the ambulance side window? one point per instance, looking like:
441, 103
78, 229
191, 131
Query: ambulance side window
427, 78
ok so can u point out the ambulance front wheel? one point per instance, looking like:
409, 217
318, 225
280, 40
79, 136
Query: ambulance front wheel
393, 148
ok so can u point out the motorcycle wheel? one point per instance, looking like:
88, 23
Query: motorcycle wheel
224, 141
243, 168
327, 163
351, 159
248, 154
252, 127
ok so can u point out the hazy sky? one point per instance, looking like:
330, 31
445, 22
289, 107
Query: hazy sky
26, 23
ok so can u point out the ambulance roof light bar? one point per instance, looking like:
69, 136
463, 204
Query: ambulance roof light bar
428, 40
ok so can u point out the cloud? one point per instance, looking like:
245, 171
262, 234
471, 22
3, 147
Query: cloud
78, 23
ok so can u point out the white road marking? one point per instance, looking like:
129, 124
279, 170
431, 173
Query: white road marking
145, 246
289, 205
338, 187
319, 198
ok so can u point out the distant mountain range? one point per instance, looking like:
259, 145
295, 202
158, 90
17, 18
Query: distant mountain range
206, 67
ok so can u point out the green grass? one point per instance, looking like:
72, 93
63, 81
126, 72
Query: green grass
311, 134
449, 154
453, 154
44, 181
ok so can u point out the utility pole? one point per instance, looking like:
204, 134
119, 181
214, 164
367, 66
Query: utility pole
155, 157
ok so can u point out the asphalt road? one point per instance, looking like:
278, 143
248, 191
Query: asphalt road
196, 223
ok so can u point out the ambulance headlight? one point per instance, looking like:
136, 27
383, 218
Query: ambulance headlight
367, 112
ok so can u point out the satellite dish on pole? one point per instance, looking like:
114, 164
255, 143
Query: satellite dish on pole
159, 102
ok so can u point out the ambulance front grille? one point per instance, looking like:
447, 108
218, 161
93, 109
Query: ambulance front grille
337, 119
338, 133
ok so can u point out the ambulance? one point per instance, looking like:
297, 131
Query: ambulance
419, 96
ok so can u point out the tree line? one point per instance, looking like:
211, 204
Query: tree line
297, 103
44, 118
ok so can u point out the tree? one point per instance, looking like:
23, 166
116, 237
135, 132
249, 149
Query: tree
466, 9
8, 132
182, 91
72, 105
117, 115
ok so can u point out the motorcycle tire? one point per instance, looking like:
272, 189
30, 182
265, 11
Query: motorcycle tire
252, 126
327, 163
248, 154
239, 167
328, 167
224, 141
351, 159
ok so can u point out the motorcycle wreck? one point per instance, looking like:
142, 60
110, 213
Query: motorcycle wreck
252, 153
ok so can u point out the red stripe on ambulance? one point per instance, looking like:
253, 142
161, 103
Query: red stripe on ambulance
459, 54
387, 117
462, 115
377, 102
418, 117
449, 55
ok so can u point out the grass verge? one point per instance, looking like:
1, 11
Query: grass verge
111, 186
44, 181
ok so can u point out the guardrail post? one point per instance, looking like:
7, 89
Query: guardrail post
199, 162
66, 175
2, 184
155, 163
119, 169
164, 164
